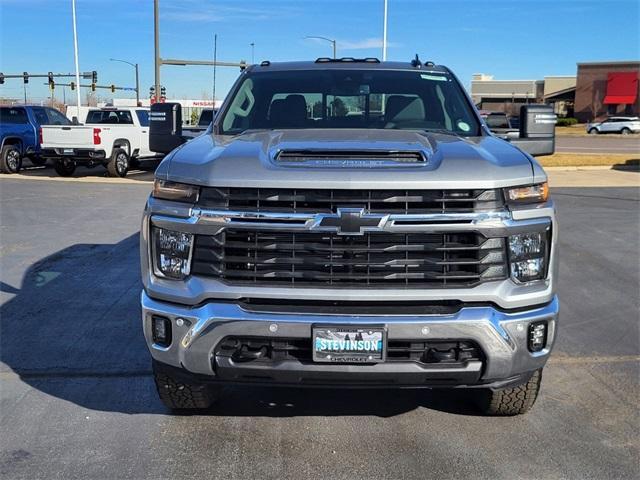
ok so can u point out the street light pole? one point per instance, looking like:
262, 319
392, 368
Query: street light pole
253, 58
75, 52
384, 33
333, 42
134, 65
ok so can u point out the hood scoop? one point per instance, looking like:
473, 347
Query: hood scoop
351, 158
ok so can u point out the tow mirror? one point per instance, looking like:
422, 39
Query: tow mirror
165, 127
537, 130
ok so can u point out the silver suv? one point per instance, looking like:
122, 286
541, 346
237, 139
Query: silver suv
351, 223
623, 125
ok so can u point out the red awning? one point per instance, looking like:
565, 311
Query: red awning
619, 99
622, 88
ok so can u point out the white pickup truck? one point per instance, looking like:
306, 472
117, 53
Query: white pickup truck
113, 137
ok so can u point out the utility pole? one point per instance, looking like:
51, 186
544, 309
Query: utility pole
253, 58
75, 50
384, 33
156, 39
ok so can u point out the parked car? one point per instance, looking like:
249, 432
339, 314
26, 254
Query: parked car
20, 134
113, 137
623, 125
404, 246
206, 117
500, 124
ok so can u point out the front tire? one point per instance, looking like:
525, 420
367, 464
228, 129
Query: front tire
118, 165
512, 400
65, 167
10, 159
178, 394
594, 131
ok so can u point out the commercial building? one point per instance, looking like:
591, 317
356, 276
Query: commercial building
509, 95
607, 88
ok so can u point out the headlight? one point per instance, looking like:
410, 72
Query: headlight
178, 192
530, 194
171, 253
529, 256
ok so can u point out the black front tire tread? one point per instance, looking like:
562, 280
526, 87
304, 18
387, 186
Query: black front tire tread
178, 395
514, 400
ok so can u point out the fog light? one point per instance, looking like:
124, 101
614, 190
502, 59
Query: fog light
537, 338
161, 331
172, 253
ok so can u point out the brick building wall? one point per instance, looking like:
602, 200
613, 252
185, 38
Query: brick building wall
591, 88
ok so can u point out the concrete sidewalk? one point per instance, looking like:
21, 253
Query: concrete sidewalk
593, 177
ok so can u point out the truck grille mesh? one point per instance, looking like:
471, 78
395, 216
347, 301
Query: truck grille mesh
374, 259
328, 201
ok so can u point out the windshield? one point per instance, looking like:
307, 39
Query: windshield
349, 99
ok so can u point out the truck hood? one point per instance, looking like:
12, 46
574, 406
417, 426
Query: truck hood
249, 160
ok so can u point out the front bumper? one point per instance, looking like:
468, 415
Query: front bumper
502, 336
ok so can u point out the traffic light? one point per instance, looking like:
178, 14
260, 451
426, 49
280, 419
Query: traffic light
52, 84
1, 78
163, 94
25, 77
94, 77
93, 87
73, 85
113, 89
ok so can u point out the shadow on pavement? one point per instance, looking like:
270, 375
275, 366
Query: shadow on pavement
632, 165
73, 331
142, 172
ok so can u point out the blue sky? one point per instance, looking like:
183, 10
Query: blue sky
517, 39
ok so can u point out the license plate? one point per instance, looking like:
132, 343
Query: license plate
67, 151
346, 344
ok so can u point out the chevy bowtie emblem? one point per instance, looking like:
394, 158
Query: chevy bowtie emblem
349, 221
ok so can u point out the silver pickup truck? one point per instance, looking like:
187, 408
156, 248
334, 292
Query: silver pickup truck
352, 223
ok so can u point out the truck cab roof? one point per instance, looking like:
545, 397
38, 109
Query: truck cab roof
347, 63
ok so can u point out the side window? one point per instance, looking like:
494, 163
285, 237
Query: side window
143, 117
13, 116
124, 117
41, 116
94, 116
56, 118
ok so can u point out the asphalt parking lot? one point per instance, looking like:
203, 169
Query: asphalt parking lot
77, 399
598, 144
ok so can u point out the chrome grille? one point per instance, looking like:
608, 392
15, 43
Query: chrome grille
372, 201
376, 259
